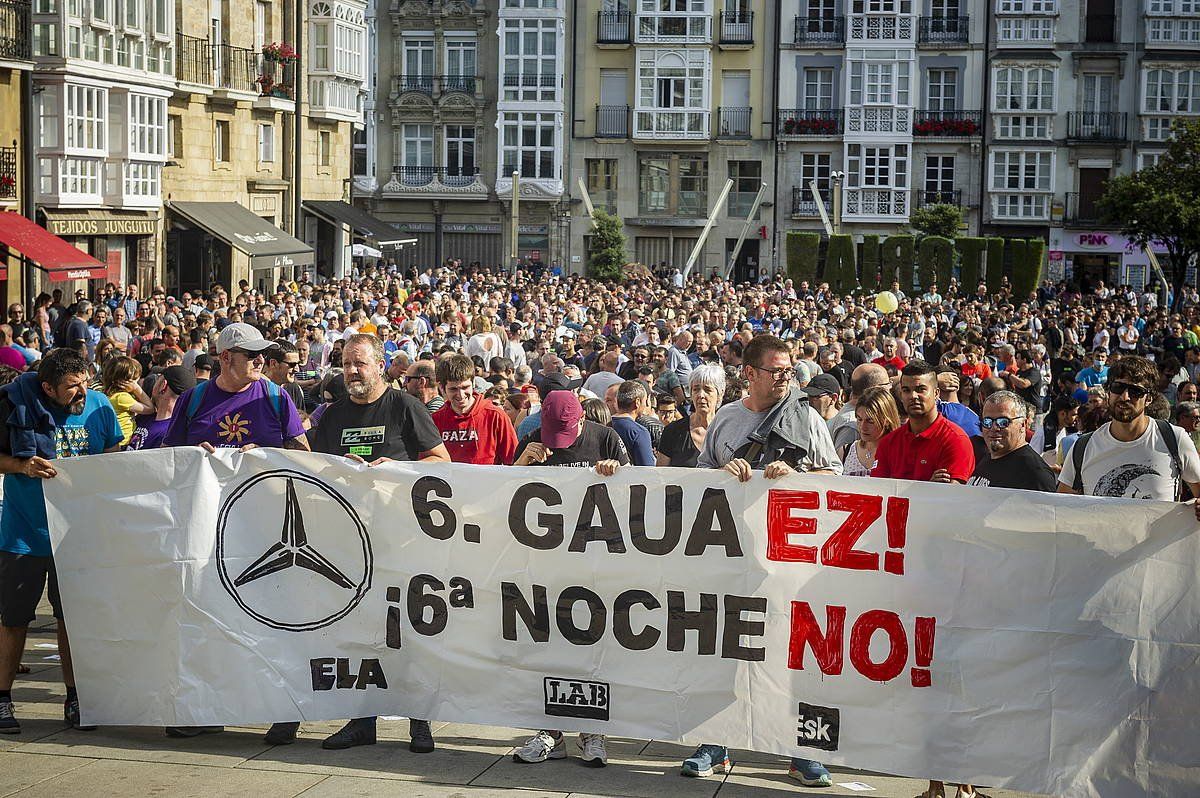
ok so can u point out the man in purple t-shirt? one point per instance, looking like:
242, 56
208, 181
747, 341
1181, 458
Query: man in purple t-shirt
152, 429
238, 408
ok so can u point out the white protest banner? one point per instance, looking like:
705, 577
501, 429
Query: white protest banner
1039, 642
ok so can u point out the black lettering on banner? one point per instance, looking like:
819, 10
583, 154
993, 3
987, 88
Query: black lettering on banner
419, 600
551, 524
535, 618
703, 621
424, 507
672, 523
322, 673
598, 616
371, 673
714, 507
462, 594
623, 631
345, 679
394, 625
609, 528
736, 626
818, 727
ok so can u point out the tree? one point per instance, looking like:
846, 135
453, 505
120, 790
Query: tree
608, 257
939, 219
1161, 203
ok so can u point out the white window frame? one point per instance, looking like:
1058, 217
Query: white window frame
530, 74
147, 126
939, 173
874, 166
266, 143
453, 139
416, 145
1026, 187
880, 82
86, 120
820, 81
674, 22
461, 47
222, 144
1046, 7
515, 145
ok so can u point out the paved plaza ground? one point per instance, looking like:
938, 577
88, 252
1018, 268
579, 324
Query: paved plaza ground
48, 759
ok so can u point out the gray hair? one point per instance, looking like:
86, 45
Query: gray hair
1009, 398
710, 375
629, 394
371, 341
1186, 408
522, 375
802, 374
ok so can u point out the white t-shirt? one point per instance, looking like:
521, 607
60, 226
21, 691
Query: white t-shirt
1138, 469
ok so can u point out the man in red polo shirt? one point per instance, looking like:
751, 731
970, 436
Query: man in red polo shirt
473, 429
929, 447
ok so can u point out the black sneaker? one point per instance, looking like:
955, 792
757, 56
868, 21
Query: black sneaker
282, 733
71, 715
359, 731
8, 720
183, 732
420, 736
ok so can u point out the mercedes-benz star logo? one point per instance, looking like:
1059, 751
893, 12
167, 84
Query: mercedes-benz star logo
313, 573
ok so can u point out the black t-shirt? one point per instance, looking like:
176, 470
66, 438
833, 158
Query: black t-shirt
1023, 469
853, 354
595, 443
395, 425
676, 443
296, 392
1033, 392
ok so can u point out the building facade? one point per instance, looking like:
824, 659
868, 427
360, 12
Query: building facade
16, 63
672, 99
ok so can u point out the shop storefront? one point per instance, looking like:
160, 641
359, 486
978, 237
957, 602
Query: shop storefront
224, 242
325, 226
50, 258
126, 242
1085, 257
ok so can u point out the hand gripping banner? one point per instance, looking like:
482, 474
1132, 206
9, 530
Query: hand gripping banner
923, 630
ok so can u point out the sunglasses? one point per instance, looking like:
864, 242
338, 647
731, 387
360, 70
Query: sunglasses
1000, 423
1133, 391
248, 354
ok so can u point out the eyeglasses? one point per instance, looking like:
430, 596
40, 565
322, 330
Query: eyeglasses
1133, 391
248, 354
776, 374
1000, 423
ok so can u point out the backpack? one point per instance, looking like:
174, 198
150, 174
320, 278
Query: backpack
1164, 429
274, 393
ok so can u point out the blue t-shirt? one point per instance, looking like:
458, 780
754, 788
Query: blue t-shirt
1091, 377
636, 439
961, 416
529, 424
23, 527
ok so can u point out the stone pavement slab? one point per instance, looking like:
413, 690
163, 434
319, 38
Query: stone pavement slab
148, 744
348, 787
18, 771
626, 775
125, 778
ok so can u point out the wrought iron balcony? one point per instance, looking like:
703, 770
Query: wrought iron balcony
530, 81
422, 84
733, 122
453, 181
948, 124
737, 27
277, 79
193, 60
15, 39
234, 68
803, 203
612, 27
944, 30
463, 83
806, 122
1097, 126
1082, 210
8, 172
820, 31
612, 121
950, 197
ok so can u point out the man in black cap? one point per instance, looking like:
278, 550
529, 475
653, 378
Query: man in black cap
170, 385
824, 395
551, 382
202, 366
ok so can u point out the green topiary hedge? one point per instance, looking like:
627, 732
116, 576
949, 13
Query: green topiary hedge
994, 277
935, 261
840, 269
870, 263
898, 254
1027, 257
803, 256
970, 267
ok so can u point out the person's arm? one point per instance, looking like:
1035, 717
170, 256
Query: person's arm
299, 443
437, 454
142, 404
506, 440
642, 454
33, 467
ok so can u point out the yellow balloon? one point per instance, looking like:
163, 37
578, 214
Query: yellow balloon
886, 302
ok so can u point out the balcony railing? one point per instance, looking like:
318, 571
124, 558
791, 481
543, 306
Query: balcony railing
947, 197
234, 68
1082, 210
612, 121
530, 81
612, 27
15, 16
879, 119
819, 31
671, 123
1100, 29
452, 176
737, 27
805, 122
944, 30
881, 28
948, 124
193, 60
733, 122
463, 83
277, 79
8, 172
803, 203
423, 84
1098, 126
891, 202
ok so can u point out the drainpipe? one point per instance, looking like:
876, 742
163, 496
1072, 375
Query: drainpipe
775, 70
985, 111
28, 175
298, 129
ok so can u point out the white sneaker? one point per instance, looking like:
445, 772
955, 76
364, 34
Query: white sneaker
592, 750
540, 747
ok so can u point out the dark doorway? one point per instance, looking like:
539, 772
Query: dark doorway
745, 268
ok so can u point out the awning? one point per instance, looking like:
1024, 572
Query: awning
266, 244
59, 259
359, 220
363, 251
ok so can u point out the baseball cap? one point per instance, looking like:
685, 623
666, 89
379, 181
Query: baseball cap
179, 379
561, 413
553, 382
240, 335
202, 361
823, 384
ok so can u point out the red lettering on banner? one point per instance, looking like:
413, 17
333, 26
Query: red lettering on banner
806, 632
839, 550
781, 524
828, 645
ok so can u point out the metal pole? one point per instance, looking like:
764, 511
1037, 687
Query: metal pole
28, 170
737, 248
837, 203
712, 218
512, 249
298, 135
816, 192
587, 201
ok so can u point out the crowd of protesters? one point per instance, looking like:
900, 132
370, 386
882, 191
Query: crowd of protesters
1083, 392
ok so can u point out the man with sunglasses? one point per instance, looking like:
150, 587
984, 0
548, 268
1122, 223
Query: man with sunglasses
1132, 455
1011, 461
281, 366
